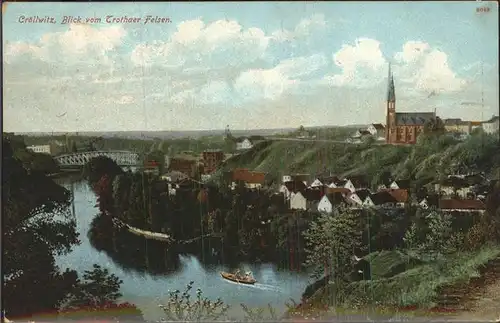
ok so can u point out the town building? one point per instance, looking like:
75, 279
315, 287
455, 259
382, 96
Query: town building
251, 179
403, 127
358, 197
330, 200
459, 205
41, 149
400, 184
212, 159
298, 201
492, 125
185, 164
461, 126
291, 187
377, 130
243, 143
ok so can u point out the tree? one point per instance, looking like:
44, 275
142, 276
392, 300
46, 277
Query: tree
32, 235
331, 241
96, 295
99, 166
434, 126
180, 307
74, 149
438, 238
37, 226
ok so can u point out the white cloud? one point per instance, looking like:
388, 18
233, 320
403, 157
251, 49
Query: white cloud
361, 64
426, 69
412, 50
418, 68
272, 83
80, 43
303, 29
219, 44
124, 99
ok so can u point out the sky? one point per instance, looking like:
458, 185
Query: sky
249, 65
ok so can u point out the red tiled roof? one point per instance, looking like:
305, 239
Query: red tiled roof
456, 204
332, 190
400, 195
382, 197
295, 186
312, 195
248, 176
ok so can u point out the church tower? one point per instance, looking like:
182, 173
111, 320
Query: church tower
390, 125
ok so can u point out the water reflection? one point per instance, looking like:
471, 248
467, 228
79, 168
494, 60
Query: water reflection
149, 269
132, 252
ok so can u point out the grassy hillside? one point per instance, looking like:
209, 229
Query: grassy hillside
431, 158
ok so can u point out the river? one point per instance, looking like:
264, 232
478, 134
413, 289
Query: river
148, 289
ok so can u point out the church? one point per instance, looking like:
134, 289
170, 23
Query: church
403, 127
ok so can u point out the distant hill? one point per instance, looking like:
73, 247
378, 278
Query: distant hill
431, 159
195, 134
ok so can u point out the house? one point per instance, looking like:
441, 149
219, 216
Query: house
454, 186
356, 182
400, 184
174, 176
212, 158
458, 126
298, 201
296, 177
377, 130
292, 187
361, 133
183, 163
379, 199
313, 198
388, 198
459, 205
342, 190
329, 200
243, 143
328, 180
40, 149
358, 197
305, 200
400, 196
251, 179
316, 184
492, 125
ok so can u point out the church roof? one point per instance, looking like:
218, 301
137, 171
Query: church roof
391, 92
413, 118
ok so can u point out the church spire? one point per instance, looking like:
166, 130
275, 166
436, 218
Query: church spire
391, 92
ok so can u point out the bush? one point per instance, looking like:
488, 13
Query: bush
181, 308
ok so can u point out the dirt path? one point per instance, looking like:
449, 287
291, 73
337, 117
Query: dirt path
486, 308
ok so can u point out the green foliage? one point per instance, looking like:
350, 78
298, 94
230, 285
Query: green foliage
35, 228
97, 295
331, 241
418, 286
259, 314
434, 126
99, 166
438, 240
180, 307
432, 158
37, 225
97, 290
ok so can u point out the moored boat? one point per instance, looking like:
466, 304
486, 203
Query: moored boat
238, 279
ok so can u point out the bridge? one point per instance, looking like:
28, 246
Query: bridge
121, 157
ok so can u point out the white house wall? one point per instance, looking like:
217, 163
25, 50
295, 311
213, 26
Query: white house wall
325, 205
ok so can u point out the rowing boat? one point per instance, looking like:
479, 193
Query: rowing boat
237, 279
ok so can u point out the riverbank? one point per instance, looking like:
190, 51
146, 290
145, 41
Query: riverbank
65, 172
149, 269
